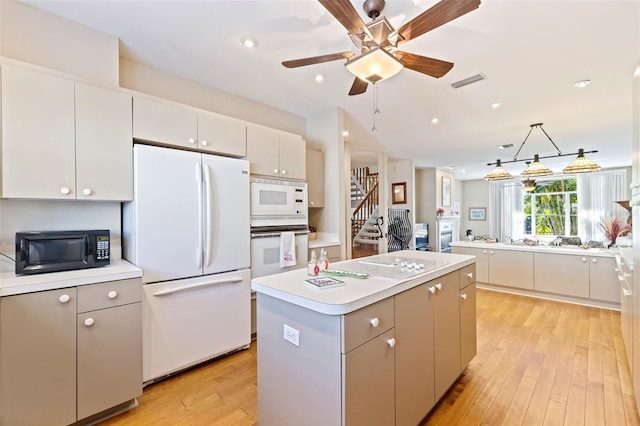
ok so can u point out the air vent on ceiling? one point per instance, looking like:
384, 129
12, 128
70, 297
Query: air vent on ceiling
468, 80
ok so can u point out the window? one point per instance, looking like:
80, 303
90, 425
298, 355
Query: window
552, 208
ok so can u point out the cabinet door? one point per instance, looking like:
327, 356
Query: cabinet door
482, 261
160, 122
292, 152
562, 274
103, 144
262, 150
468, 336
38, 135
414, 355
446, 332
38, 353
109, 358
603, 281
220, 134
369, 383
315, 177
511, 268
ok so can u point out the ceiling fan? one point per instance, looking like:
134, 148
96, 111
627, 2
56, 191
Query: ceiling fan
377, 41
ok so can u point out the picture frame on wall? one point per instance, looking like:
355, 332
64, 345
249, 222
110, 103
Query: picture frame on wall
477, 213
399, 193
446, 191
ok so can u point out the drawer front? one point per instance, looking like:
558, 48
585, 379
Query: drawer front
467, 275
109, 294
364, 324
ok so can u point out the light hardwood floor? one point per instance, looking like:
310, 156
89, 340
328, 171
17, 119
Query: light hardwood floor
539, 363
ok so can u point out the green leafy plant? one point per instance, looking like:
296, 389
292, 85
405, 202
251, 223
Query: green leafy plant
614, 226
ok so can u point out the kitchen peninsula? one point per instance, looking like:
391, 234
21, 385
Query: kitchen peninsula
381, 350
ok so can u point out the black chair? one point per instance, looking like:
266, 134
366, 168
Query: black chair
399, 230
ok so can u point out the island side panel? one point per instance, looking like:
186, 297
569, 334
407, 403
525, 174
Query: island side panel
298, 385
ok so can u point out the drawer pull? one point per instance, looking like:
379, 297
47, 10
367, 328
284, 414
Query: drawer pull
192, 140
205, 143
491, 252
375, 322
65, 191
391, 342
432, 289
470, 275
64, 298
89, 322
112, 294
484, 252
584, 259
463, 296
594, 260
439, 286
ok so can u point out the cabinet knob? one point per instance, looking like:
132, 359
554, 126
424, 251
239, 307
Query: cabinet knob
284, 172
470, 275
310, 203
375, 322
89, 322
87, 191
65, 191
463, 296
275, 171
484, 252
491, 252
112, 294
391, 342
432, 289
204, 143
64, 298
584, 259
192, 140
594, 260
439, 286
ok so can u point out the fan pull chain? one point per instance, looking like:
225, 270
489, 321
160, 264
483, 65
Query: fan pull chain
376, 110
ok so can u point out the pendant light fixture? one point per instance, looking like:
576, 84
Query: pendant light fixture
528, 185
536, 169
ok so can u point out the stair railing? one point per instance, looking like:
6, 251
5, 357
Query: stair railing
364, 210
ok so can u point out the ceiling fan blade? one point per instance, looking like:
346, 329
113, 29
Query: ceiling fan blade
429, 66
439, 14
318, 59
358, 87
346, 14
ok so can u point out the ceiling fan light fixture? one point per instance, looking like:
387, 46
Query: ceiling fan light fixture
375, 65
498, 173
581, 165
536, 169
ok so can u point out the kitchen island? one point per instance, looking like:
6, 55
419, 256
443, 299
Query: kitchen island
376, 351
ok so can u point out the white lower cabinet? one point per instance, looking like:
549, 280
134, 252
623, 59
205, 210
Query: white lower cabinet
71, 353
562, 274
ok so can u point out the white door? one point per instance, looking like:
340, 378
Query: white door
168, 213
189, 321
226, 214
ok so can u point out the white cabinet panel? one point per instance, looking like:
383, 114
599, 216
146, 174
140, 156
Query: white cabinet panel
161, 122
276, 153
220, 134
562, 274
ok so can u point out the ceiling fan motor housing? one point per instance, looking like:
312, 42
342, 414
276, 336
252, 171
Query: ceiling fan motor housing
373, 8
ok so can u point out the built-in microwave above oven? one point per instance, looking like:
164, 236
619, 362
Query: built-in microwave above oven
54, 251
278, 202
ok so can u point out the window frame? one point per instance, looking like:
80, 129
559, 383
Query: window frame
533, 215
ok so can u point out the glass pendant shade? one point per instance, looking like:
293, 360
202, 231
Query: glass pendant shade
529, 185
581, 165
536, 169
375, 65
498, 173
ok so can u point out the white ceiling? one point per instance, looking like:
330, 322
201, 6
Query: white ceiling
531, 53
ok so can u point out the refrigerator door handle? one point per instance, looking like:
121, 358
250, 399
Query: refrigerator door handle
198, 285
207, 248
200, 203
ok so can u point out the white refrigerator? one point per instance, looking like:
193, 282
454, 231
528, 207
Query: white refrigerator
188, 229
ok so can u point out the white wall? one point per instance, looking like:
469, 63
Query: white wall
475, 193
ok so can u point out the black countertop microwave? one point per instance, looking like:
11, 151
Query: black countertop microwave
54, 251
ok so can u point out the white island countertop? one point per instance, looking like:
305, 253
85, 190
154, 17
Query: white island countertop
386, 278
11, 284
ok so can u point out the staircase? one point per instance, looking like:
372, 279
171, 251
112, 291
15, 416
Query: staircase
364, 201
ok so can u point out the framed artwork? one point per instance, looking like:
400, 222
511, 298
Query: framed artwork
477, 213
399, 193
446, 191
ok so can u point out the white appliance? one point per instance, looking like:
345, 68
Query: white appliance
188, 229
265, 252
278, 202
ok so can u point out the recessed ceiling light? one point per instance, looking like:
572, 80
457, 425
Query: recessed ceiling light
505, 146
434, 120
319, 78
582, 83
451, 167
249, 42
345, 133
496, 105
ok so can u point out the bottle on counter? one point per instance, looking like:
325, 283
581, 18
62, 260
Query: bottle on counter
323, 261
313, 268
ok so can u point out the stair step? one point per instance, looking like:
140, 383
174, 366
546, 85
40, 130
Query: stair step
365, 241
369, 234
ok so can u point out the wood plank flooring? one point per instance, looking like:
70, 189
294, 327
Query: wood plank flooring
539, 363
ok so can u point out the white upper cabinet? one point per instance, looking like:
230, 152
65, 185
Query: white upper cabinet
183, 126
276, 153
64, 140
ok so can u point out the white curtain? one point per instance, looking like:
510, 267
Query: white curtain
597, 196
506, 210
